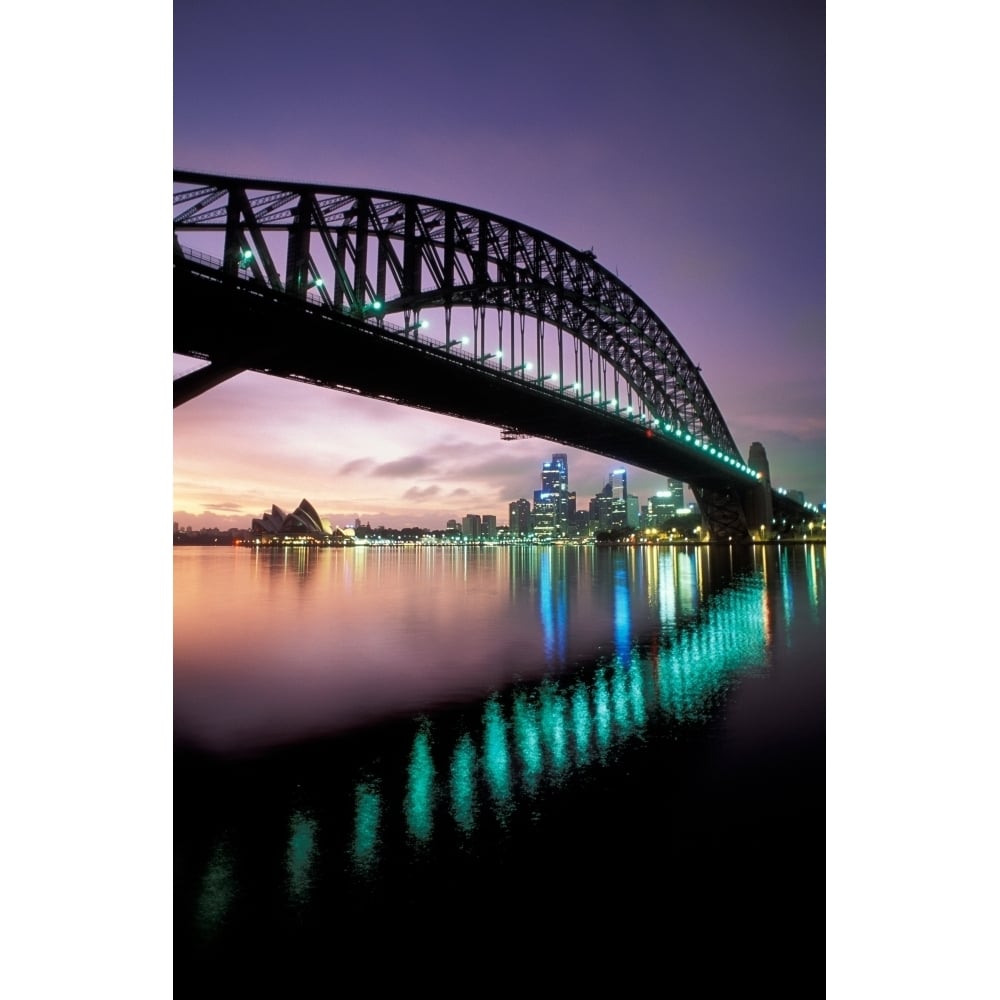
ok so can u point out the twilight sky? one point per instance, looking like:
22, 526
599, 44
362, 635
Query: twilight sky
683, 141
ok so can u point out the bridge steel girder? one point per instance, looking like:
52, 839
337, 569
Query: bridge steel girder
193, 384
233, 325
430, 254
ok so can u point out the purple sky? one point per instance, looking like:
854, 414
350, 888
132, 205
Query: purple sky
684, 142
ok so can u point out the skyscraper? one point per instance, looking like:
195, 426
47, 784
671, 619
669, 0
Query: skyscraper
618, 481
666, 503
552, 501
623, 510
519, 517
676, 488
662, 507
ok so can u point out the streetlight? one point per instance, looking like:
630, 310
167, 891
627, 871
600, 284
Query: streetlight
360, 309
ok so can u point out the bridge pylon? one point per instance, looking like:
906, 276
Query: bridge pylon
724, 511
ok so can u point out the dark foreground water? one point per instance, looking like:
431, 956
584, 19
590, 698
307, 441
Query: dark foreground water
450, 770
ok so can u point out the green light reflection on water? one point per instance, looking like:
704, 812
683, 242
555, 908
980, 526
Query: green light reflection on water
527, 740
621, 707
300, 855
788, 604
562, 723
367, 816
218, 888
553, 722
637, 691
419, 804
463, 784
496, 756
582, 722
602, 712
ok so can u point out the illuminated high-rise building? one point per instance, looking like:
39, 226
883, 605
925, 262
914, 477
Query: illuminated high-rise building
618, 481
614, 507
662, 507
665, 504
519, 517
543, 517
676, 488
552, 501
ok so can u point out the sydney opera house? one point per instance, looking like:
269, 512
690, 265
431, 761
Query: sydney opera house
303, 526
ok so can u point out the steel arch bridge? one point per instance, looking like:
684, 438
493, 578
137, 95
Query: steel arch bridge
530, 335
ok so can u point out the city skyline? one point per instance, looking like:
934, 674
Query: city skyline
685, 147
583, 496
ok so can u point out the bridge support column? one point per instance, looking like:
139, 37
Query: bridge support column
760, 510
723, 513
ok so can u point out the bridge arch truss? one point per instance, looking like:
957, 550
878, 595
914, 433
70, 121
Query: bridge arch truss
502, 292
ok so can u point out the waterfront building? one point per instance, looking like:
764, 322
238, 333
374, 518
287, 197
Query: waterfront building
623, 512
600, 511
303, 526
554, 504
519, 518
618, 484
663, 507
543, 516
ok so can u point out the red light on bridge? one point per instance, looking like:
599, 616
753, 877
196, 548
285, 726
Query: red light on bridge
649, 433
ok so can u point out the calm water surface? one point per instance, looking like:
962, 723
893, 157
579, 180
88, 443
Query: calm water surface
497, 754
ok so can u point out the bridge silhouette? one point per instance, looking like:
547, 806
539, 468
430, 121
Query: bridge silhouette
491, 321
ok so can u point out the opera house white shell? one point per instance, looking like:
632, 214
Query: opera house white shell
303, 523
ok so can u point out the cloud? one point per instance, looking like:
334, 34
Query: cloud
421, 493
355, 465
411, 465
